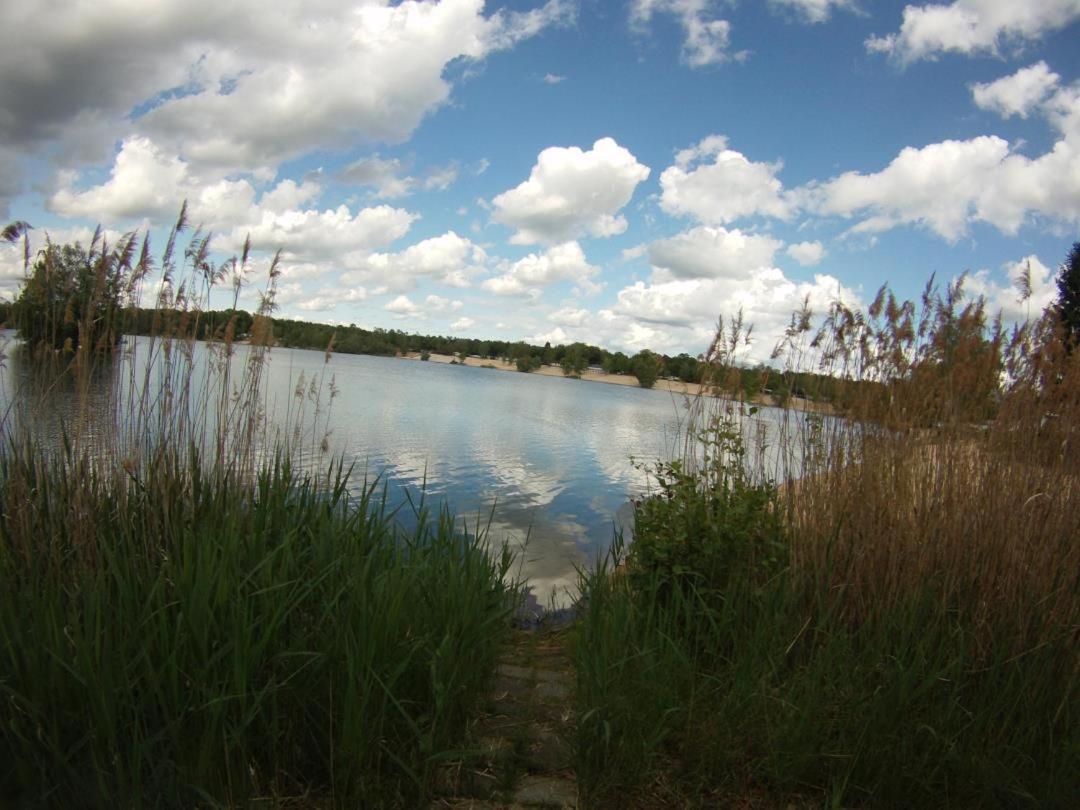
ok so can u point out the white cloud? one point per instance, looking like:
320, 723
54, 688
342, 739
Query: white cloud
447, 259
145, 181
947, 186
463, 324
727, 188
711, 252
327, 299
569, 316
806, 253
1019, 93
231, 87
553, 78
555, 337
571, 193
1006, 299
529, 275
707, 40
436, 303
935, 186
330, 76
813, 11
972, 26
403, 307
311, 235
765, 296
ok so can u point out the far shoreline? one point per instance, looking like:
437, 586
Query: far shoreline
628, 380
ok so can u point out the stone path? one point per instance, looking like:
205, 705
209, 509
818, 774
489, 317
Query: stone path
521, 756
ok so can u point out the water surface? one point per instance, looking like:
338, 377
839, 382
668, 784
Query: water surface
545, 462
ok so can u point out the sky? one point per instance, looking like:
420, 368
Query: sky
621, 173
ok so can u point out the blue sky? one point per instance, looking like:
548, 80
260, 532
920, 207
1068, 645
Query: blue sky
620, 173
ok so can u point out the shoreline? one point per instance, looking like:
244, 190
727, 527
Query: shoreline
628, 380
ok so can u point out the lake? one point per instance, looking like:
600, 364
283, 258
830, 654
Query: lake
545, 460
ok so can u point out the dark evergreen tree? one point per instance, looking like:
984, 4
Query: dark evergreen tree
1067, 306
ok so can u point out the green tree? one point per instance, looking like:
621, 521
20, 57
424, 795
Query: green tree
1067, 307
646, 368
526, 363
73, 297
574, 361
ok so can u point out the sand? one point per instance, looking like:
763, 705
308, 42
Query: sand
674, 386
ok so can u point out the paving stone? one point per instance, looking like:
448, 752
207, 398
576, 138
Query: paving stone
553, 691
546, 791
548, 751
466, 781
534, 674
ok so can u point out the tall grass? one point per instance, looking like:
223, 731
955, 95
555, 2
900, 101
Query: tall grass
189, 619
890, 617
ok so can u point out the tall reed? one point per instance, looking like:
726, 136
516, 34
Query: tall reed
188, 618
883, 608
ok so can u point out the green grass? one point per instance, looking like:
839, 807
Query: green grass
176, 637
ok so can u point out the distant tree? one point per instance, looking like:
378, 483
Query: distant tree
574, 361
646, 368
1067, 306
73, 297
526, 363
548, 354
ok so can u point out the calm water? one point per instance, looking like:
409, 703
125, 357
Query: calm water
549, 458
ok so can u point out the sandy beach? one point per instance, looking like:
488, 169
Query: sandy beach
674, 386
677, 386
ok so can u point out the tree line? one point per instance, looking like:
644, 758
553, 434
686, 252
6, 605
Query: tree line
74, 297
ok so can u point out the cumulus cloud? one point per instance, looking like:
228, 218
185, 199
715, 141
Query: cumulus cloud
404, 307
529, 275
806, 253
949, 185
313, 235
813, 11
707, 38
1007, 298
228, 86
463, 324
972, 26
448, 259
765, 296
711, 252
717, 185
145, 181
571, 193
1017, 94
553, 78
